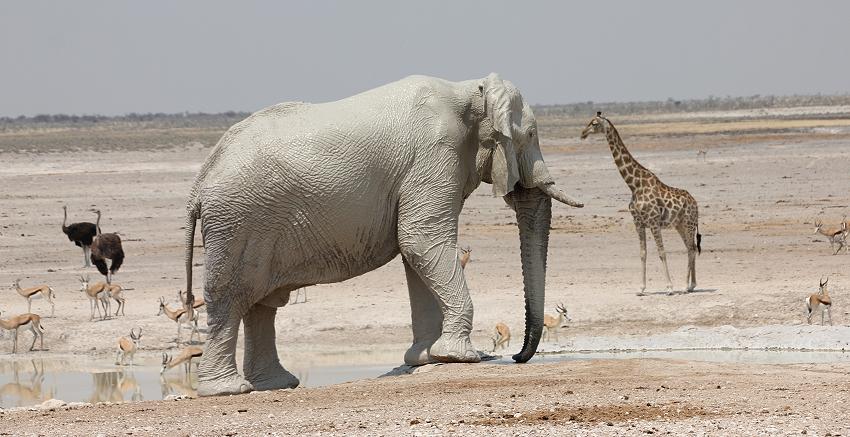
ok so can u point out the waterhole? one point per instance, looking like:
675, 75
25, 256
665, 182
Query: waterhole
30, 381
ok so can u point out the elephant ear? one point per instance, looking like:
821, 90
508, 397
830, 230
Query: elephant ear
503, 106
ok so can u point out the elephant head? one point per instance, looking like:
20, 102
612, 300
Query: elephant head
509, 158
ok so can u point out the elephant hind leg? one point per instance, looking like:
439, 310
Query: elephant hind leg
261, 364
217, 374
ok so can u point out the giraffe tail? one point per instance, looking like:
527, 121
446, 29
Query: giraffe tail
699, 239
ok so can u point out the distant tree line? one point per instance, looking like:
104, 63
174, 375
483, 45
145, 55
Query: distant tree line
186, 119
159, 119
712, 103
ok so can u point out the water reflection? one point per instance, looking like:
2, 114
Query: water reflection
179, 384
115, 387
26, 391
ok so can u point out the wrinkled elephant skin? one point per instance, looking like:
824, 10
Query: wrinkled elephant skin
300, 194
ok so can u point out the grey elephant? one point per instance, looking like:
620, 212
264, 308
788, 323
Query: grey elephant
300, 194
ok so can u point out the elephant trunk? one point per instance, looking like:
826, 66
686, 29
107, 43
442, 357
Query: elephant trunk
534, 216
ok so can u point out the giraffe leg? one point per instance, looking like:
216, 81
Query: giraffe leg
642, 237
659, 243
687, 234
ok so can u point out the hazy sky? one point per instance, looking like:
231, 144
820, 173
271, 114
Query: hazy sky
114, 57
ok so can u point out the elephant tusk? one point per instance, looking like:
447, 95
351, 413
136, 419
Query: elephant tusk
560, 196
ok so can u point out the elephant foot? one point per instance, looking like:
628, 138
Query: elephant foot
417, 354
454, 350
228, 385
275, 379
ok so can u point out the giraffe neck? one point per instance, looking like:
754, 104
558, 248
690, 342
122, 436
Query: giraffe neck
631, 171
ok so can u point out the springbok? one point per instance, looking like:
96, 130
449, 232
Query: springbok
835, 234
37, 292
820, 299
128, 347
116, 292
185, 358
98, 293
554, 324
180, 317
465, 253
28, 321
502, 338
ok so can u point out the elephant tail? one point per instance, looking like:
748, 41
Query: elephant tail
192, 215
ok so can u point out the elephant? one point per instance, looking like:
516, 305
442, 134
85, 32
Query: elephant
300, 194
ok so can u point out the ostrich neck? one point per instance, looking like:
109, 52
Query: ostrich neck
65, 219
97, 225
630, 170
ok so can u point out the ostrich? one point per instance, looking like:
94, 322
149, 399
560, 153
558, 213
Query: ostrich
106, 246
81, 234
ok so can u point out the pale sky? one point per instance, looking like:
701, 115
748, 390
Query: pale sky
114, 57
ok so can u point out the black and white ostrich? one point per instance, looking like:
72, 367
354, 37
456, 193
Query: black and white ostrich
81, 234
106, 247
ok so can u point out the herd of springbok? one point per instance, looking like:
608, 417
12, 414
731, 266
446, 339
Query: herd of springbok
98, 247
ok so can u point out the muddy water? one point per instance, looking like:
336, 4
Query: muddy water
31, 381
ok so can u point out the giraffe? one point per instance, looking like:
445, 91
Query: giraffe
654, 205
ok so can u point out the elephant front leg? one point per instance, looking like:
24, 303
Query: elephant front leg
439, 270
261, 364
217, 374
426, 316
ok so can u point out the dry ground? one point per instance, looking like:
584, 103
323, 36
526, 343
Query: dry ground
620, 397
762, 184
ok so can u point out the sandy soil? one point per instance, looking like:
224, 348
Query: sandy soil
761, 186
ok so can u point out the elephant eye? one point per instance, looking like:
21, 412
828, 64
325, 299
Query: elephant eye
531, 133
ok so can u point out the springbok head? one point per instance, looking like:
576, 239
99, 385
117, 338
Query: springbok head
133, 335
166, 360
822, 286
161, 306
562, 310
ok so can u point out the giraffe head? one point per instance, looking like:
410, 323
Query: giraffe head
597, 125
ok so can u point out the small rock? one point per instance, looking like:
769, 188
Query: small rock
51, 404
